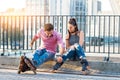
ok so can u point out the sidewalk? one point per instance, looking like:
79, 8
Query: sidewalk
96, 61
8, 74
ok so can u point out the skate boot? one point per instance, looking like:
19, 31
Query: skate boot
30, 64
22, 65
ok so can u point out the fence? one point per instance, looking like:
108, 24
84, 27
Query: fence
102, 32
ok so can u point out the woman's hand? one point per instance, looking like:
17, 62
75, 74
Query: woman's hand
31, 44
72, 47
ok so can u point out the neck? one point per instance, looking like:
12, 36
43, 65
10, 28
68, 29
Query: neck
73, 33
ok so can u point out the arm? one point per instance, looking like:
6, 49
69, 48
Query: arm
81, 40
61, 50
61, 44
32, 41
36, 36
67, 41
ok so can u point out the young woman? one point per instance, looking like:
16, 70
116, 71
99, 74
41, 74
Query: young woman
74, 43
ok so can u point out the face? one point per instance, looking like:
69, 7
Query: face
49, 33
71, 28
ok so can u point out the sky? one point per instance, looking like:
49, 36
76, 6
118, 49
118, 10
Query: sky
105, 5
4, 4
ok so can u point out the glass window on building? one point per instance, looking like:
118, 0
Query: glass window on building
81, 4
60, 30
79, 13
77, 8
60, 24
77, 3
80, 8
78, 19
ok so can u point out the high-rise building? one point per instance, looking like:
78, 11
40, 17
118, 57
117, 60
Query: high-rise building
99, 6
59, 7
79, 7
37, 7
94, 7
72, 8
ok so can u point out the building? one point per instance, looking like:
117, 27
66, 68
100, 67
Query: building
58, 8
37, 7
71, 8
94, 7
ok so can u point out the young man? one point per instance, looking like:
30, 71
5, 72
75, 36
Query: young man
49, 41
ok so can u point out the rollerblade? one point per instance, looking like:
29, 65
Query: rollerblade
26, 65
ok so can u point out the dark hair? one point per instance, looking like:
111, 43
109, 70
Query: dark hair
48, 27
73, 22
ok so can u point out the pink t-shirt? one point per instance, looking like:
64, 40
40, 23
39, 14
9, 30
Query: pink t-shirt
50, 43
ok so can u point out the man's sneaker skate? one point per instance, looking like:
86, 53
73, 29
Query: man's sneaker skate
30, 65
86, 72
22, 65
52, 71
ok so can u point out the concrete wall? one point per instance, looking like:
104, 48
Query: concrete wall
69, 65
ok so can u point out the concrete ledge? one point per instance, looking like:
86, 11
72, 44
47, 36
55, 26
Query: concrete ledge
69, 65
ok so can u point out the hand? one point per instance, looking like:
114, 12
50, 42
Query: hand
31, 44
72, 47
59, 59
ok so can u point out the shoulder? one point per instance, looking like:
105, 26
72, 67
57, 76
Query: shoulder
67, 36
57, 34
80, 33
41, 30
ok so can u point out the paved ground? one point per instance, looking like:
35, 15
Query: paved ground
7, 74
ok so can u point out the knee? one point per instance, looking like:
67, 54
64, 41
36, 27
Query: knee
36, 52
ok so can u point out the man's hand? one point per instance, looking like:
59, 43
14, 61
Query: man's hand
31, 44
59, 59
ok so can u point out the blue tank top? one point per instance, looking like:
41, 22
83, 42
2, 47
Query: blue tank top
73, 39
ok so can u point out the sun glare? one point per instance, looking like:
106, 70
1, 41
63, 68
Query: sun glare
5, 4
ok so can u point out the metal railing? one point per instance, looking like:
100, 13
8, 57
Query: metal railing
102, 32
